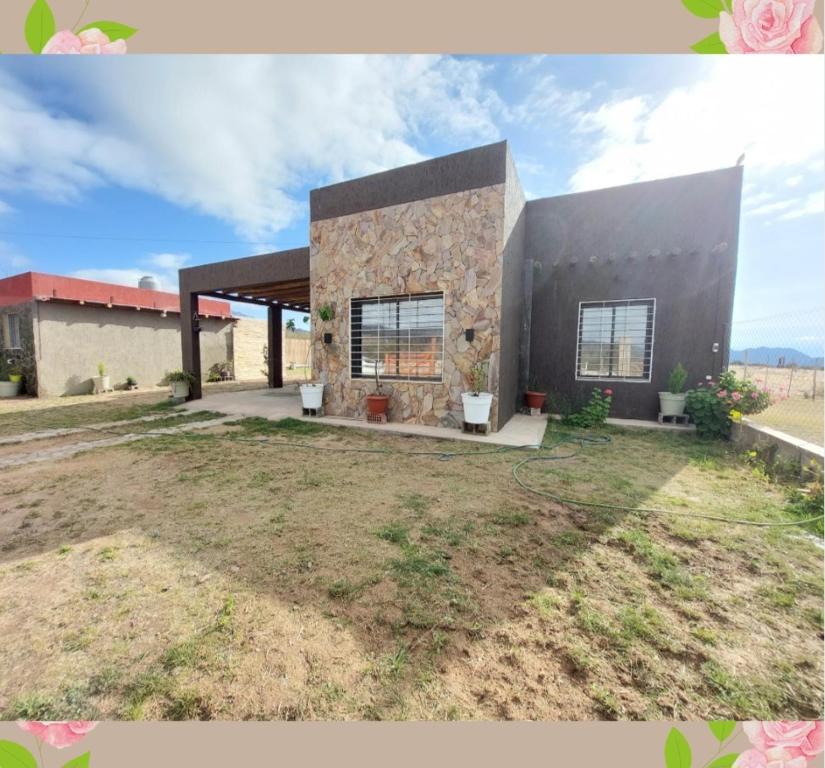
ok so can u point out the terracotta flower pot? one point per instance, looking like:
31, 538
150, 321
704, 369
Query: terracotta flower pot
534, 399
377, 404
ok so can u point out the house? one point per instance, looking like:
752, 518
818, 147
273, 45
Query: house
424, 270
61, 328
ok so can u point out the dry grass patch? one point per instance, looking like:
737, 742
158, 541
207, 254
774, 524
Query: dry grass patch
202, 576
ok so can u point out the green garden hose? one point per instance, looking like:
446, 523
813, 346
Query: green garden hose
565, 439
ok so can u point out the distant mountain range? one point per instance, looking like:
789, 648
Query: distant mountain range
772, 356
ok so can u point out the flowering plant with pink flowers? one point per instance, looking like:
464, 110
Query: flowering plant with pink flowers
759, 26
781, 744
96, 37
58, 734
714, 405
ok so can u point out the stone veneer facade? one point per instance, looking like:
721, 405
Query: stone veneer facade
452, 243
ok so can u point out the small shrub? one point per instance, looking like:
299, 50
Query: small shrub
676, 380
714, 406
182, 376
594, 413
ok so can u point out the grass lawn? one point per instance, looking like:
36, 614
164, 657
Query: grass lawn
799, 417
210, 577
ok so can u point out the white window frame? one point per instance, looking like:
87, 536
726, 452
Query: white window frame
407, 296
628, 380
7, 323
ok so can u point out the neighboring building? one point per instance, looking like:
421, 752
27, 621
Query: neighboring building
60, 328
433, 266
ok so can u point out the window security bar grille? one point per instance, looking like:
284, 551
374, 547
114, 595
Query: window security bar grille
615, 339
401, 336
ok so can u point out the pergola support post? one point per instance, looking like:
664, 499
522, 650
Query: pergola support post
190, 342
275, 347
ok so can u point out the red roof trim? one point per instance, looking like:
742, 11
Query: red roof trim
44, 287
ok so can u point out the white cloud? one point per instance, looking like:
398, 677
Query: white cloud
768, 208
5, 208
770, 108
12, 260
808, 206
547, 99
162, 266
234, 137
794, 181
526, 64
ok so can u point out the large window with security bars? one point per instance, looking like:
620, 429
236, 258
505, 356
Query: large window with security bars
400, 336
615, 339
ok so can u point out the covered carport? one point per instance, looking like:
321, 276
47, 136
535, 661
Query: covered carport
277, 281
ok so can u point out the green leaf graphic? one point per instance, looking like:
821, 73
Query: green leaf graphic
721, 729
39, 25
14, 756
711, 44
79, 762
112, 29
677, 750
726, 761
707, 9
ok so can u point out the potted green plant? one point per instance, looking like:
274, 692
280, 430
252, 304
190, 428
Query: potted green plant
15, 373
378, 402
672, 402
180, 382
131, 383
476, 402
326, 313
533, 397
101, 381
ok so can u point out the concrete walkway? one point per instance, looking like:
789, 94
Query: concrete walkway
277, 404
65, 451
45, 434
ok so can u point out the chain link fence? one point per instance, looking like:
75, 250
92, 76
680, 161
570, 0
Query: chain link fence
783, 354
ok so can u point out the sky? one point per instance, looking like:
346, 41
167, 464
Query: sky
112, 169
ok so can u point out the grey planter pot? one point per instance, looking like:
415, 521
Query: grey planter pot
672, 405
10, 388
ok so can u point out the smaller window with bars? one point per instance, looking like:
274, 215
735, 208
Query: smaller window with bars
615, 339
12, 331
402, 337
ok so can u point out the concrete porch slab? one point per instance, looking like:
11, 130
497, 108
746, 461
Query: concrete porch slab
274, 404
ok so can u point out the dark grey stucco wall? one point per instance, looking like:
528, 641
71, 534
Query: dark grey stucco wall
674, 240
512, 307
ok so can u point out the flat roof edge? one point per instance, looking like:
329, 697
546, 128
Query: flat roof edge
448, 174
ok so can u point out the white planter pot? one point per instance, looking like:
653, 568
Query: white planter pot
672, 405
476, 407
101, 384
180, 388
312, 395
10, 388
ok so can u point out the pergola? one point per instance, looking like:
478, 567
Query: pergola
276, 281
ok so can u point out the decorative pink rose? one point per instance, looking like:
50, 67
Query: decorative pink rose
773, 758
58, 733
736, 396
608, 392
721, 393
802, 738
754, 395
771, 26
87, 41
